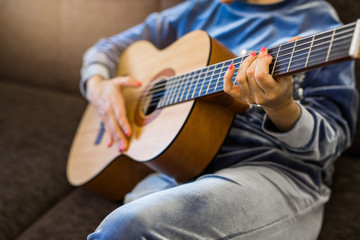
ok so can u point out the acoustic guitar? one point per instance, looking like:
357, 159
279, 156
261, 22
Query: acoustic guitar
180, 115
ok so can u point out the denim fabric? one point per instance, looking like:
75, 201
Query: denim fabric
261, 202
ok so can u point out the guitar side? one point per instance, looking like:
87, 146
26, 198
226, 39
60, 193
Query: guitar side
178, 140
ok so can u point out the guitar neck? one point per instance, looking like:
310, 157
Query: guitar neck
318, 50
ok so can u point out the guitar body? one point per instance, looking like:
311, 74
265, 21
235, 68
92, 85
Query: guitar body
179, 140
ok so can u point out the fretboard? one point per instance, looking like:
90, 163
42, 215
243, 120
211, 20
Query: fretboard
321, 49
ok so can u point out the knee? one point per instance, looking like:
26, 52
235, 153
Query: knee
124, 223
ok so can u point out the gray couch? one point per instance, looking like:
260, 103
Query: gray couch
41, 46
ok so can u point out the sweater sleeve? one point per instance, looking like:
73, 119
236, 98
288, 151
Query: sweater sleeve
158, 28
327, 122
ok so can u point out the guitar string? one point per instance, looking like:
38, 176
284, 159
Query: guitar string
154, 100
194, 75
314, 46
214, 67
221, 69
297, 58
155, 104
280, 57
316, 60
300, 58
298, 45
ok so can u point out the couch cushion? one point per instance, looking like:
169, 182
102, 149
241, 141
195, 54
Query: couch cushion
73, 217
36, 126
341, 219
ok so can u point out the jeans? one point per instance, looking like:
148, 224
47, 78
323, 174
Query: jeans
244, 202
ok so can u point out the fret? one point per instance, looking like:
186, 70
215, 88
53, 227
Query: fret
311, 45
162, 98
160, 103
300, 55
331, 42
318, 46
208, 82
210, 69
319, 49
318, 58
289, 58
181, 86
276, 58
221, 74
216, 75
237, 62
192, 86
342, 42
170, 90
176, 89
185, 85
339, 49
197, 82
292, 54
284, 54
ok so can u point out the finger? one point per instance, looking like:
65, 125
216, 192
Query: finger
228, 78
115, 130
251, 73
242, 78
229, 87
121, 115
262, 53
294, 38
262, 76
126, 81
111, 139
109, 131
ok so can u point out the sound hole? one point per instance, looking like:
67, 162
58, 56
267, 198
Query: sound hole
153, 97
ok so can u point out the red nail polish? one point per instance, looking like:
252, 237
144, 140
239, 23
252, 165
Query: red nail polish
262, 49
121, 147
127, 133
138, 83
253, 54
268, 55
231, 66
110, 142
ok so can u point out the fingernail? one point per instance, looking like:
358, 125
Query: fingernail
253, 54
231, 66
109, 144
138, 83
121, 147
127, 133
262, 49
268, 55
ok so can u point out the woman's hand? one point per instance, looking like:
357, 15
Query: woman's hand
107, 97
257, 86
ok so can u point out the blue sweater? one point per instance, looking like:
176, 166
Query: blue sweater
327, 96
